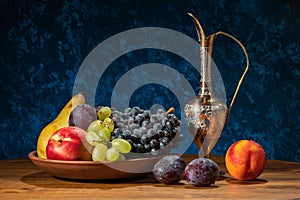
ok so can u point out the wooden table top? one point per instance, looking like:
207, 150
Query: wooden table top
21, 179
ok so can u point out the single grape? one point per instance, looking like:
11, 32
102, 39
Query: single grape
169, 125
151, 132
94, 126
139, 148
164, 142
147, 114
146, 124
99, 152
116, 132
154, 152
145, 139
154, 119
160, 133
157, 126
112, 154
115, 112
121, 126
104, 133
126, 133
171, 116
121, 145
143, 130
134, 126
167, 133
162, 116
176, 130
130, 121
135, 139
116, 118
164, 121
109, 123
124, 116
93, 138
103, 113
127, 110
137, 132
139, 118
154, 144
160, 111
113, 137
134, 111
121, 136
147, 147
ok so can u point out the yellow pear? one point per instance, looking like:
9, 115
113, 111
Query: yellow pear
62, 120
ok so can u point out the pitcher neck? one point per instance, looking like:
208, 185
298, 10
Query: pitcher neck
206, 46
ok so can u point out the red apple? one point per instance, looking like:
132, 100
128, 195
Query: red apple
68, 143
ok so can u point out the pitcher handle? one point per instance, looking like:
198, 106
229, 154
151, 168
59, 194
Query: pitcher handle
243, 75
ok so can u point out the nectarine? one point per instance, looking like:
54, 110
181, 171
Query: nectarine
245, 160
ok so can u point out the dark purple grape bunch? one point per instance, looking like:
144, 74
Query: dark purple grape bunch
147, 132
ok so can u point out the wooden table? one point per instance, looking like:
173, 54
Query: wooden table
20, 179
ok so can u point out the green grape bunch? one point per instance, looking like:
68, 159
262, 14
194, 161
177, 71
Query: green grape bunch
99, 135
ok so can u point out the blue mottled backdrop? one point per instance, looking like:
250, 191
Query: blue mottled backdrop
43, 43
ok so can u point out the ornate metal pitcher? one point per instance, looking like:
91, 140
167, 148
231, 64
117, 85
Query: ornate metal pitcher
206, 115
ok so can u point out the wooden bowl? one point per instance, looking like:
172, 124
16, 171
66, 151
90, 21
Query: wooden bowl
90, 170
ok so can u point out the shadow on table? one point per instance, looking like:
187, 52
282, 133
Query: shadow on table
45, 180
251, 182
